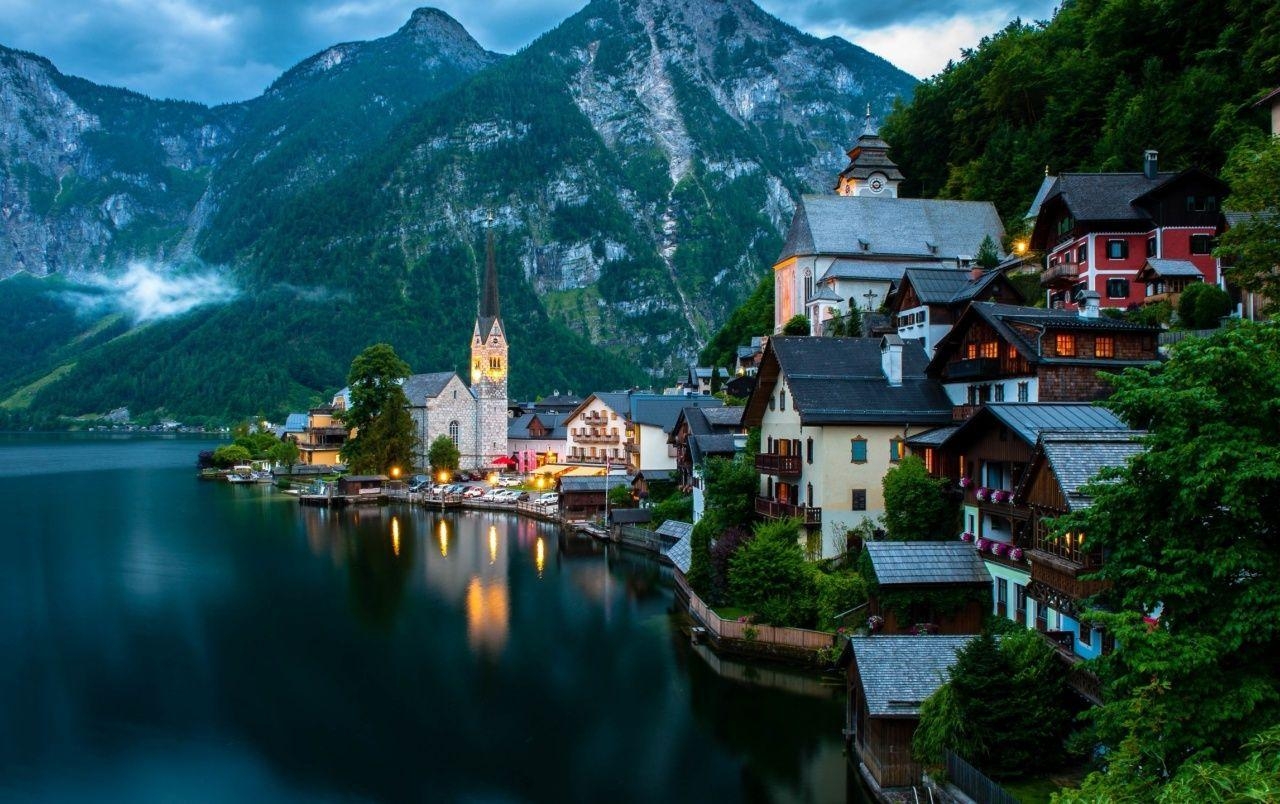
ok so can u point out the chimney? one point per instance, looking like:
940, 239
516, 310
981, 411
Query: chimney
1150, 163
975, 273
891, 359
1088, 303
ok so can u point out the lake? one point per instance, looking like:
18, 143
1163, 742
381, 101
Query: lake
166, 639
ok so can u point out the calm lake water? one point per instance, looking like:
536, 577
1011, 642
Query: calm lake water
164, 639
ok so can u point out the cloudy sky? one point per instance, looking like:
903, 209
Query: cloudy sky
226, 50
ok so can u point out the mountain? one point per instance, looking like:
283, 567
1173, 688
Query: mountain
638, 163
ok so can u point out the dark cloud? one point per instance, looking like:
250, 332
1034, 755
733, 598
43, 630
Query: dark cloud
215, 51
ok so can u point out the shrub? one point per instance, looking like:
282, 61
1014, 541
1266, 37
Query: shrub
770, 576
838, 592
916, 505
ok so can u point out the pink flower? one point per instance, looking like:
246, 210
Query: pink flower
965, 482
966, 536
1015, 553
999, 548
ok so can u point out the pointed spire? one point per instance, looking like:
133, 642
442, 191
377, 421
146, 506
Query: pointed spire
867, 128
489, 309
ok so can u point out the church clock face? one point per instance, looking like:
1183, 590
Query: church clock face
876, 184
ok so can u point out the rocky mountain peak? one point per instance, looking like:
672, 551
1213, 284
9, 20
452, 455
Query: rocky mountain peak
433, 28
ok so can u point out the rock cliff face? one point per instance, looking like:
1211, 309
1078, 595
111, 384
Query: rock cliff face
638, 164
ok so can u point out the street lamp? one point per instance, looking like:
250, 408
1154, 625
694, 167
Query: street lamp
395, 473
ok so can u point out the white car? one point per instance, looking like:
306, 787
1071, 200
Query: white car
548, 498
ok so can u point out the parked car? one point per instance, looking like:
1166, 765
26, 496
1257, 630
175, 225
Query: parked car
549, 497
472, 492
506, 496
510, 481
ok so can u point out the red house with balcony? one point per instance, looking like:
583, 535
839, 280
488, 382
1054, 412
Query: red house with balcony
1099, 231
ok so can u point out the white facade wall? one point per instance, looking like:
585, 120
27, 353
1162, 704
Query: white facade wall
589, 451
655, 453
958, 392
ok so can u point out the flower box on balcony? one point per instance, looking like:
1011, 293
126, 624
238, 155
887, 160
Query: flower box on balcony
966, 536
982, 494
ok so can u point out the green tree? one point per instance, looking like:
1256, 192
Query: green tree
620, 496
700, 571
796, 325
379, 413
443, 455
716, 380
285, 453
837, 593
1251, 247
770, 576
1189, 528
732, 485
678, 506
230, 455
1201, 306
916, 505
988, 255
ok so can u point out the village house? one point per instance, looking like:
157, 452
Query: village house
596, 430
699, 379
888, 678
650, 421
928, 301
846, 251
908, 577
833, 414
988, 457
698, 435
1100, 230
585, 497
537, 439
320, 441
1003, 353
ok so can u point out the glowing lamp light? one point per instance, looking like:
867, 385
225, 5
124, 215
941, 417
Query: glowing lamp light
444, 539
540, 555
442, 477
395, 472
1020, 247
395, 535
493, 544
493, 478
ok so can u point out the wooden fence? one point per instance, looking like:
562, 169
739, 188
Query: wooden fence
749, 632
974, 784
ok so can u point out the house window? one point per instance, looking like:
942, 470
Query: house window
773, 403
859, 502
858, 450
453, 432
1086, 634
1082, 254
808, 448
1117, 249
1065, 224
970, 351
999, 397
1201, 244
1066, 344
809, 494
1117, 288
1002, 597
1151, 247
782, 400
896, 450
1024, 392
1202, 203
1020, 602
1104, 346
1042, 616
990, 349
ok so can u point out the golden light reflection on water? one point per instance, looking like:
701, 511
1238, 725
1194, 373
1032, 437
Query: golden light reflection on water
488, 615
493, 544
540, 555
444, 539
395, 535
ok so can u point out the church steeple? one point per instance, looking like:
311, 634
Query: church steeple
870, 170
489, 307
489, 341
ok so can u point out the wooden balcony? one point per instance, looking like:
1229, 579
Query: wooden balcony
1082, 681
780, 510
771, 463
977, 368
1064, 274
586, 437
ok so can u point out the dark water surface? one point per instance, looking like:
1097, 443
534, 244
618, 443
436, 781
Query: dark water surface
164, 639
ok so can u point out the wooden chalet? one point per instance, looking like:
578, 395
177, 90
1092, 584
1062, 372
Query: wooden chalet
928, 301
1003, 353
583, 498
888, 678
903, 569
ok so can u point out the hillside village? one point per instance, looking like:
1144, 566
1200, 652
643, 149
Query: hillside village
898, 348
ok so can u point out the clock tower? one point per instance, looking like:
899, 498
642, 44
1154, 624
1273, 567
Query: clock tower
489, 367
870, 171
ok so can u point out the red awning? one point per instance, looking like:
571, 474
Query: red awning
503, 460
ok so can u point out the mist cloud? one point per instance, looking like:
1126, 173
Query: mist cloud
146, 292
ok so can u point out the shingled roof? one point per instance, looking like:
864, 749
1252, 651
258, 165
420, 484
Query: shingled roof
1077, 457
662, 410
1028, 420
518, 427
420, 387
898, 673
926, 563
681, 553
869, 227
948, 285
840, 380
1168, 269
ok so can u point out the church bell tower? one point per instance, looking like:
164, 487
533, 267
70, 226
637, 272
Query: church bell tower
489, 367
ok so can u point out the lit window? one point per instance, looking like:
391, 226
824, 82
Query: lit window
1104, 346
971, 351
1066, 345
896, 450
990, 349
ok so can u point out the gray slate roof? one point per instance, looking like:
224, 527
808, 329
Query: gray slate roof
873, 269
705, 446
616, 400
726, 417
1029, 419
918, 563
661, 410
1077, 457
933, 438
571, 484
420, 387
947, 285
554, 422
1172, 268
1105, 196
840, 380
899, 672
674, 529
907, 227
680, 553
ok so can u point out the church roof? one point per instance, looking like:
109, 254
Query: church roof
905, 228
420, 387
490, 310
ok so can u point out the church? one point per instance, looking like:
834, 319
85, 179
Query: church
475, 417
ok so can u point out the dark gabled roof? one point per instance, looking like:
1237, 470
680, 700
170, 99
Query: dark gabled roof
899, 672
729, 416
866, 226
571, 484
824, 292
680, 554
1029, 419
662, 410
554, 422
1077, 457
705, 446
420, 387
703, 420
557, 403
1166, 269
840, 381
1046, 185
675, 529
933, 438
947, 285
926, 563
1105, 196
1002, 316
